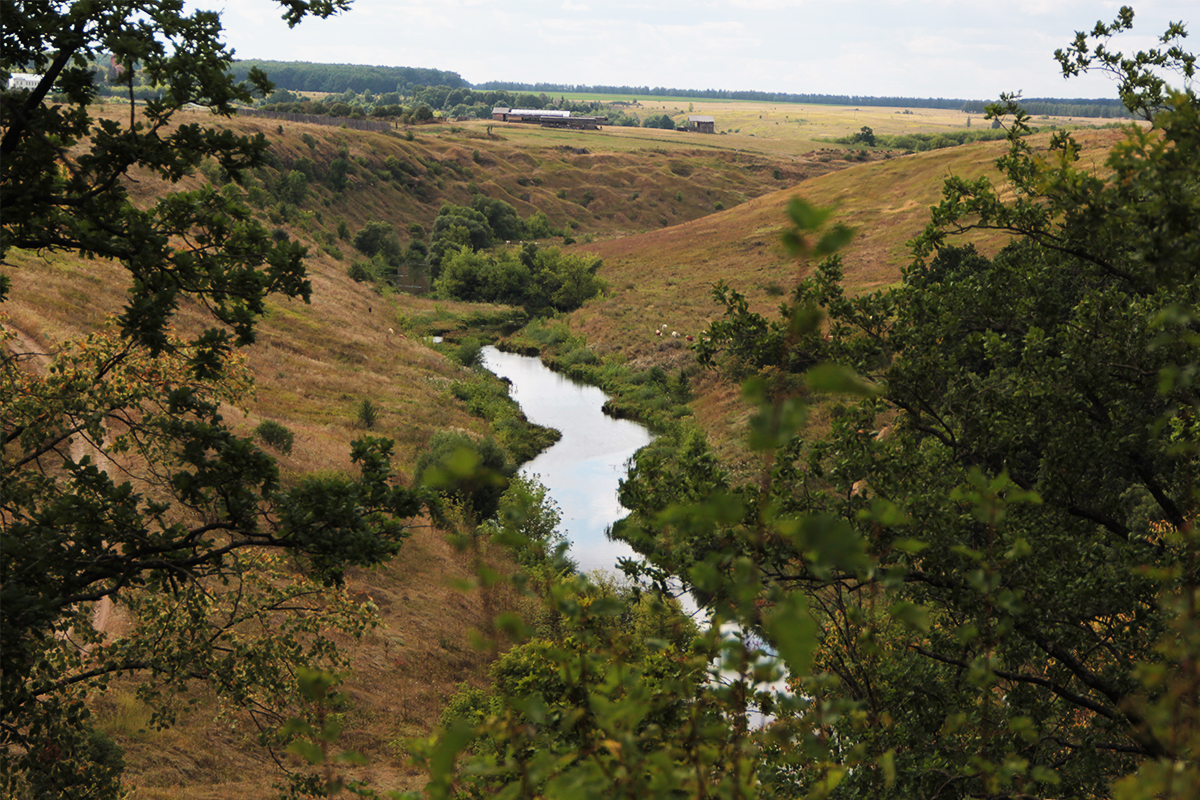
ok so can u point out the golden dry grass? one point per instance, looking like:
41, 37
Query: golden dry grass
652, 211
666, 277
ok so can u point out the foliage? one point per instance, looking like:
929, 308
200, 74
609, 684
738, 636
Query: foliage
920, 142
527, 522
472, 472
209, 514
542, 280
122, 482
378, 238
368, 414
501, 217
469, 352
982, 581
302, 76
276, 434
457, 227
864, 136
563, 713
986, 539
663, 121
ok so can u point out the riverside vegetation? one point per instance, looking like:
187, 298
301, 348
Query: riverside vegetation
915, 453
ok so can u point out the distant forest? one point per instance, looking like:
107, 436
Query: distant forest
298, 76
1077, 107
301, 76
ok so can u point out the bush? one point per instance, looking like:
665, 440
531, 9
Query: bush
275, 435
476, 473
368, 414
469, 352
361, 271
379, 239
541, 280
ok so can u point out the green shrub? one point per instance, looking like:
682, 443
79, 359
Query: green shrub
379, 239
361, 271
368, 414
476, 473
276, 435
469, 352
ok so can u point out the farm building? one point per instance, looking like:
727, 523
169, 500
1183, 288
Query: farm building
501, 114
23, 80
547, 118
700, 123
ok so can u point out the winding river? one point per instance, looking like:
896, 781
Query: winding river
582, 470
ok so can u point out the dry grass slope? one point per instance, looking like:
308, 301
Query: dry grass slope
648, 200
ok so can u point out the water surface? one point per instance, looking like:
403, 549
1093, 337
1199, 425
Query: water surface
581, 470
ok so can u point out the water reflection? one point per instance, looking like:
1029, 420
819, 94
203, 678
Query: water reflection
582, 470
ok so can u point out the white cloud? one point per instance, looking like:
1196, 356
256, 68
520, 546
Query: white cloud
893, 47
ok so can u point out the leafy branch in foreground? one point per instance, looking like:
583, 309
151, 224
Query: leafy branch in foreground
122, 484
997, 544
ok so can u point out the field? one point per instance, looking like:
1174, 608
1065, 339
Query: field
775, 130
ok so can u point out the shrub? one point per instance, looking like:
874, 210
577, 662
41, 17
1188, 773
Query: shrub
469, 352
361, 271
368, 414
475, 473
275, 435
378, 239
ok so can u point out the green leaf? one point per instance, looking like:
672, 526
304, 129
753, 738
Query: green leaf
793, 632
307, 750
838, 379
914, 616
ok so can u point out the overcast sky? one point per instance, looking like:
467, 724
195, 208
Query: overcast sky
971, 49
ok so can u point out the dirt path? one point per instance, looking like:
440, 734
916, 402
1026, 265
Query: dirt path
38, 359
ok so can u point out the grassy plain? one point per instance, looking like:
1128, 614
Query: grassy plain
670, 213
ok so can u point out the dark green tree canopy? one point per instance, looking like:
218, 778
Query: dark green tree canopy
996, 539
195, 507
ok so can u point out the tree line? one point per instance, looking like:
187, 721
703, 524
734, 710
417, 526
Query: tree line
1077, 107
302, 76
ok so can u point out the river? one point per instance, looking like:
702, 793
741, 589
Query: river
581, 471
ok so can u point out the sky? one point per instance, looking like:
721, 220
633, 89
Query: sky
971, 49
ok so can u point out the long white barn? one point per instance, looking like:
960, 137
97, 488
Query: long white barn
23, 80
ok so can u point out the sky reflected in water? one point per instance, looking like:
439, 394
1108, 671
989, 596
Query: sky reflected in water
582, 470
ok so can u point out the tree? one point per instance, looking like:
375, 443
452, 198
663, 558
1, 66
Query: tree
378, 238
121, 481
543, 280
996, 540
659, 121
455, 227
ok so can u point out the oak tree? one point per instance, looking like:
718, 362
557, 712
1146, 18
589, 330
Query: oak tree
121, 481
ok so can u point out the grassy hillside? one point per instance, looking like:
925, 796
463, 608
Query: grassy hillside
650, 204
315, 363
666, 277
